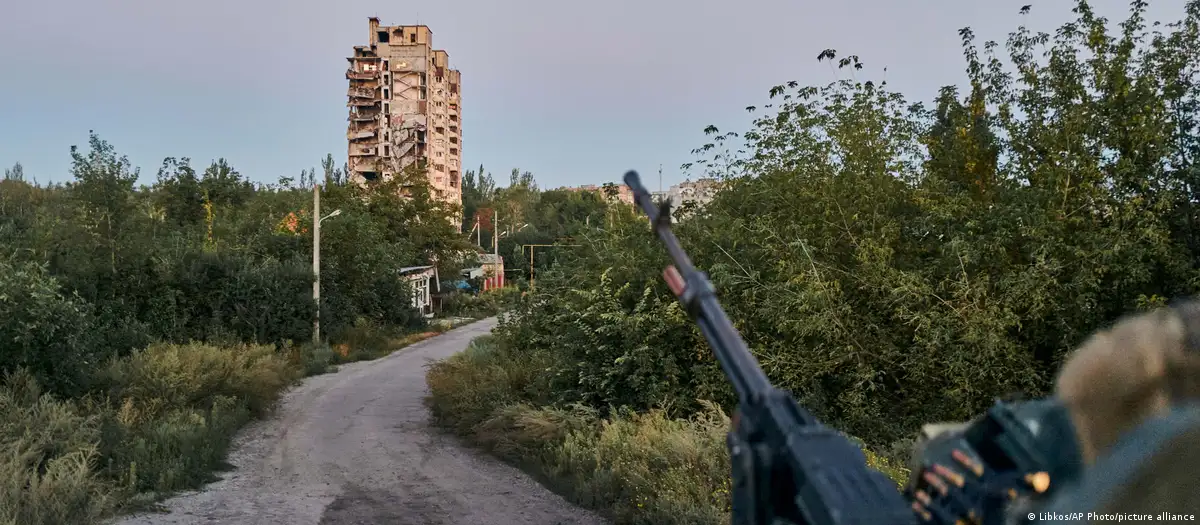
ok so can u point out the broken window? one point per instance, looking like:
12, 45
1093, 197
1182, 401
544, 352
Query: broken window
386, 93
440, 129
453, 89
454, 151
383, 37
412, 38
385, 107
387, 150
454, 179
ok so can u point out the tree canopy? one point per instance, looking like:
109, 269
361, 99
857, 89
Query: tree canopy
894, 262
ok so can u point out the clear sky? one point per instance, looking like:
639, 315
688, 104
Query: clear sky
575, 92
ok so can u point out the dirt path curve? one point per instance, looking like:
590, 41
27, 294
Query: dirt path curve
356, 447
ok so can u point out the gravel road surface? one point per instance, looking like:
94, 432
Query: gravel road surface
356, 447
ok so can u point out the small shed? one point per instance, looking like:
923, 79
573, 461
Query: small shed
423, 280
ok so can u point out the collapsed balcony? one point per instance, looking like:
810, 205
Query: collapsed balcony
362, 103
364, 117
359, 134
362, 92
362, 75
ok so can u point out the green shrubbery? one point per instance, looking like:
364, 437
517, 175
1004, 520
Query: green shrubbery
50, 335
159, 420
141, 327
889, 263
640, 467
483, 304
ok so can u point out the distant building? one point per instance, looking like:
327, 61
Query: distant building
423, 280
404, 105
493, 270
624, 194
700, 192
490, 269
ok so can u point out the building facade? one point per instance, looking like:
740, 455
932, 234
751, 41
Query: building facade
623, 193
699, 192
405, 107
423, 280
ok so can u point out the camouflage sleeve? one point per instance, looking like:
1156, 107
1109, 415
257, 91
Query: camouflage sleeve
1134, 371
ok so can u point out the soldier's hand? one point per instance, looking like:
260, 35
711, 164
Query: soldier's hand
1131, 372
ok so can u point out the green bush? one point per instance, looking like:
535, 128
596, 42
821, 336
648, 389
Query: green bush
43, 331
317, 359
49, 450
640, 468
482, 304
196, 374
140, 311
891, 263
161, 420
229, 297
170, 411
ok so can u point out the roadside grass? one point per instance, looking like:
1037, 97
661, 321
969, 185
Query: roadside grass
634, 468
156, 422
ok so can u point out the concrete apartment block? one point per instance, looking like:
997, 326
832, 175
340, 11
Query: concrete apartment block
405, 107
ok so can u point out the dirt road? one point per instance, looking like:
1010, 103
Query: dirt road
356, 447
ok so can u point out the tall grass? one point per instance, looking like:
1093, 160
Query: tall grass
635, 468
157, 421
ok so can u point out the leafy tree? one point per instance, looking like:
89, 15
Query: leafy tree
17, 173
178, 191
893, 263
44, 331
478, 188
104, 185
200, 255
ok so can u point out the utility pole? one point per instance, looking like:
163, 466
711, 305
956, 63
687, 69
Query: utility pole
496, 233
532, 247
478, 232
317, 218
317, 262
660, 190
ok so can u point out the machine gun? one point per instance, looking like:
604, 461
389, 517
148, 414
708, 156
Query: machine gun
788, 468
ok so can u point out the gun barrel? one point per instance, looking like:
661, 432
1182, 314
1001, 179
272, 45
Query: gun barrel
641, 196
749, 380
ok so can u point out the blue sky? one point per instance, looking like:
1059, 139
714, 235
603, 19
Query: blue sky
574, 92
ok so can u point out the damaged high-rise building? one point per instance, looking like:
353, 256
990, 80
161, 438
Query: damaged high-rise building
405, 107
